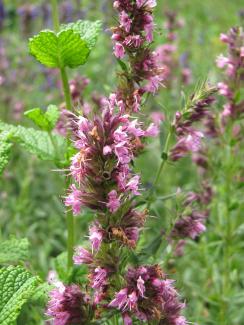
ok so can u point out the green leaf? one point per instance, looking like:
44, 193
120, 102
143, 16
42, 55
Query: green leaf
14, 250
46, 121
87, 30
5, 147
41, 294
16, 287
36, 142
52, 115
38, 117
61, 266
64, 49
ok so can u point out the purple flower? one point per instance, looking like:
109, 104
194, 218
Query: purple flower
148, 3
140, 286
127, 319
82, 256
99, 278
120, 300
113, 201
189, 226
119, 50
67, 306
74, 200
133, 184
148, 296
125, 21
95, 236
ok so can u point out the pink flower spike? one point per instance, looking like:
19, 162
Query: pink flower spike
113, 202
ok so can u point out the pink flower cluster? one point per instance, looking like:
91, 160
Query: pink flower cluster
148, 295
132, 38
101, 168
233, 66
188, 137
68, 305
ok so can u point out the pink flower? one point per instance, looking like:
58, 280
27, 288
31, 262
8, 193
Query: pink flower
107, 150
132, 300
133, 40
120, 300
122, 153
74, 200
133, 129
153, 84
132, 185
113, 201
222, 61
224, 38
152, 131
82, 256
127, 320
119, 50
157, 117
99, 278
95, 236
125, 21
140, 286
148, 3
224, 89
67, 306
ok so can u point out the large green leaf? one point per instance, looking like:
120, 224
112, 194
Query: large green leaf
16, 287
5, 147
64, 49
87, 30
68, 48
36, 142
14, 250
45, 120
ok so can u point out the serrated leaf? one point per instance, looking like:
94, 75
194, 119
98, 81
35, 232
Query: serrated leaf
38, 117
44, 120
14, 250
64, 49
5, 147
87, 30
36, 142
41, 293
61, 266
16, 287
52, 115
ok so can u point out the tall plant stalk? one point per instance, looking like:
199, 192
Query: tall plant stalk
68, 102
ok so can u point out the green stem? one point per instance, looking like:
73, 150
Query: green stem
55, 15
66, 89
162, 165
68, 101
